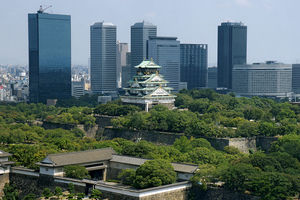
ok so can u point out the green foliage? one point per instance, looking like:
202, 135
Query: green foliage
10, 192
154, 173
289, 144
80, 196
47, 193
58, 191
96, 194
30, 197
270, 186
114, 109
236, 176
76, 171
231, 150
71, 188
127, 176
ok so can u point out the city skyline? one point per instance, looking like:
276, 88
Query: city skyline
272, 25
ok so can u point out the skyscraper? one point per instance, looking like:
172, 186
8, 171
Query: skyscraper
193, 65
165, 51
126, 70
212, 77
122, 50
103, 58
140, 33
49, 37
232, 50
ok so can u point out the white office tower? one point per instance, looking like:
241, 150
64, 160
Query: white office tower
103, 58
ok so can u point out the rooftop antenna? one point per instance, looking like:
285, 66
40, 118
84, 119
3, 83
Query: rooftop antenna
41, 10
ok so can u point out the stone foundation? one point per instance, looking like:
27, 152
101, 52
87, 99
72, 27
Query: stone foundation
4, 178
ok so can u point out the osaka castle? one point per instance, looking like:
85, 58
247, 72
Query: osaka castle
148, 88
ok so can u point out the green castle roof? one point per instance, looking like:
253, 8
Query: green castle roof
148, 64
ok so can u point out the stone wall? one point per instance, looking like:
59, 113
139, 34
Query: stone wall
26, 184
104, 120
243, 144
264, 143
181, 194
151, 136
89, 131
4, 178
221, 194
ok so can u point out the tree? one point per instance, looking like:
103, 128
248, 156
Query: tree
270, 186
47, 193
58, 191
71, 188
96, 194
154, 173
236, 176
10, 192
127, 176
183, 144
30, 197
76, 171
80, 196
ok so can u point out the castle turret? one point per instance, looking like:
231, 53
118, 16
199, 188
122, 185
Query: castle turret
148, 87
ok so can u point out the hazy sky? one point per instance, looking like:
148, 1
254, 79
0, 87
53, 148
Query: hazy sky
273, 25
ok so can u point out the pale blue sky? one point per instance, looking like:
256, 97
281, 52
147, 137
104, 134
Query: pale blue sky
273, 25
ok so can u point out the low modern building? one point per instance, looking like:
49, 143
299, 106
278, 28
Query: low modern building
103, 164
262, 79
148, 87
78, 88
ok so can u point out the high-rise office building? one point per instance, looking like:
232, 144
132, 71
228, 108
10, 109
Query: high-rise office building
262, 79
165, 51
232, 50
296, 78
49, 37
122, 50
212, 74
193, 65
140, 33
103, 58
126, 70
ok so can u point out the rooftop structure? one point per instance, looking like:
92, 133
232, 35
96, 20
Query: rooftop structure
148, 87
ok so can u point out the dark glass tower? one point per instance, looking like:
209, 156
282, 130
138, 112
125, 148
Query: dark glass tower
296, 78
140, 33
193, 65
232, 50
49, 38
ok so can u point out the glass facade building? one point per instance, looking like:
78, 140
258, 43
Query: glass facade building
212, 74
103, 58
296, 78
140, 33
165, 51
232, 50
49, 38
193, 65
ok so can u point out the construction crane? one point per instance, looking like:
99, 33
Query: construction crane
41, 10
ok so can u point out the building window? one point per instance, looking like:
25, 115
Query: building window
47, 169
